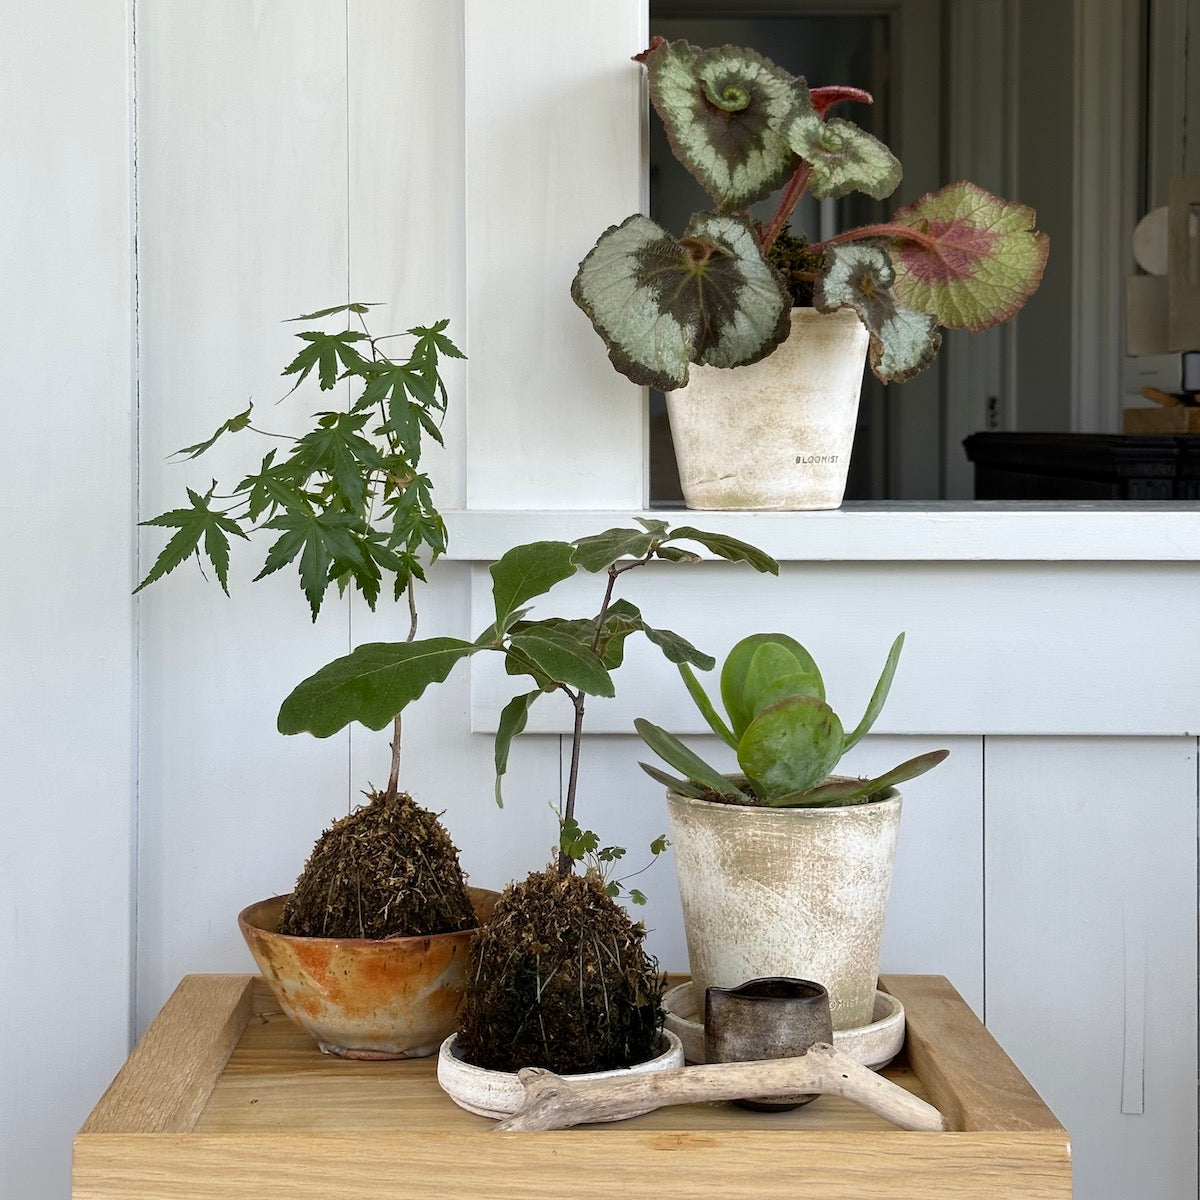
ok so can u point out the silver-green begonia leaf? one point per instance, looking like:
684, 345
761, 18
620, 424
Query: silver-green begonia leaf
659, 304
903, 341
722, 110
843, 157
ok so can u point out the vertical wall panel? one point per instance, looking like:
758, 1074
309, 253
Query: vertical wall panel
554, 124
243, 220
66, 633
1091, 948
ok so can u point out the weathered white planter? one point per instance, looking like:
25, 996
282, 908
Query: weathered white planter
500, 1093
776, 434
786, 891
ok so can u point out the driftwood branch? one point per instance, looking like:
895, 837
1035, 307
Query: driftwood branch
552, 1102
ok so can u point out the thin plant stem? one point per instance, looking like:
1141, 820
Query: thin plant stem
897, 232
791, 197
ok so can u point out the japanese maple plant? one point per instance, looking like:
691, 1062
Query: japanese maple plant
745, 128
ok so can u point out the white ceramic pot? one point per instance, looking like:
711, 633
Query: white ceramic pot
775, 435
498, 1094
786, 891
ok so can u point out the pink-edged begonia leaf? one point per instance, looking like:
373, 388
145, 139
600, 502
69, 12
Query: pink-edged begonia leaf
979, 257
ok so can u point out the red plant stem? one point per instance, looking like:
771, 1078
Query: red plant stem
895, 232
791, 197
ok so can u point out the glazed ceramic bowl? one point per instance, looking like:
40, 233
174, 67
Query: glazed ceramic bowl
364, 998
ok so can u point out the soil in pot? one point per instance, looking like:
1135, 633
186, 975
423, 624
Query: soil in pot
561, 981
387, 870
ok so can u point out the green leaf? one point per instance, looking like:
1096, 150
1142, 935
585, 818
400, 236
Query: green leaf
326, 545
903, 340
779, 669
328, 353
233, 425
843, 158
660, 844
857, 791
879, 695
659, 304
528, 571
636, 896
729, 548
986, 259
681, 787
601, 550
512, 722
735, 693
673, 752
722, 110
370, 685
353, 307
790, 746
431, 340
337, 449
576, 843
563, 658
658, 528
194, 524
705, 705
676, 555
677, 649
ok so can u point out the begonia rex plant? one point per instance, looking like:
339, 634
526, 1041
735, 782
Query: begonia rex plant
957, 257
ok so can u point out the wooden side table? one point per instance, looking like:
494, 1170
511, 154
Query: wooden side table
225, 1099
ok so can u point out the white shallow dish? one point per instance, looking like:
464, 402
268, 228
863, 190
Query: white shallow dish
873, 1045
498, 1094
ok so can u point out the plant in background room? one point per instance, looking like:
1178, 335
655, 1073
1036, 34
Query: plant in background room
561, 978
349, 504
784, 827
720, 295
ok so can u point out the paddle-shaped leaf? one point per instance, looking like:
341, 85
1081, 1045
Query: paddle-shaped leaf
722, 110
370, 685
879, 695
527, 571
903, 341
705, 705
790, 746
659, 304
843, 158
672, 751
736, 671
979, 258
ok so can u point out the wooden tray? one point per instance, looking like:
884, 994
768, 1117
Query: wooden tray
225, 1099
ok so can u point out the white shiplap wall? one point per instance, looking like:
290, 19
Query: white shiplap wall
426, 153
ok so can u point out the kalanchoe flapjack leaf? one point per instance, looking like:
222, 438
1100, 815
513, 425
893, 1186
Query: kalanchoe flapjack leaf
903, 341
736, 672
791, 745
879, 695
527, 571
659, 304
838, 792
722, 110
370, 685
843, 157
707, 709
681, 787
986, 261
673, 752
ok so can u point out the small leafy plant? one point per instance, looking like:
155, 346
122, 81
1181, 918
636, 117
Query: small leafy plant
573, 656
787, 738
561, 978
958, 257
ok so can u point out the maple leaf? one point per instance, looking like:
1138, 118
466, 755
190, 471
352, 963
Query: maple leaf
327, 352
327, 547
233, 425
195, 525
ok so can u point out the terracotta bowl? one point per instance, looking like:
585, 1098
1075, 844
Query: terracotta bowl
362, 998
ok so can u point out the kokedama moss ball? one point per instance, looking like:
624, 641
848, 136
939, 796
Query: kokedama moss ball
561, 981
389, 869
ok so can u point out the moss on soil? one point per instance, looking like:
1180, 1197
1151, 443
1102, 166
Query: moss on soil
389, 869
561, 981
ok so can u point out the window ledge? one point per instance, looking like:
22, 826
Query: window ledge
886, 531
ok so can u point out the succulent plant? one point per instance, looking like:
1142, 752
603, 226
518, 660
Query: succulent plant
787, 738
744, 127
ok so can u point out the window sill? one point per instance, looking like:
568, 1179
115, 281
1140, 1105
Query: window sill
924, 531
